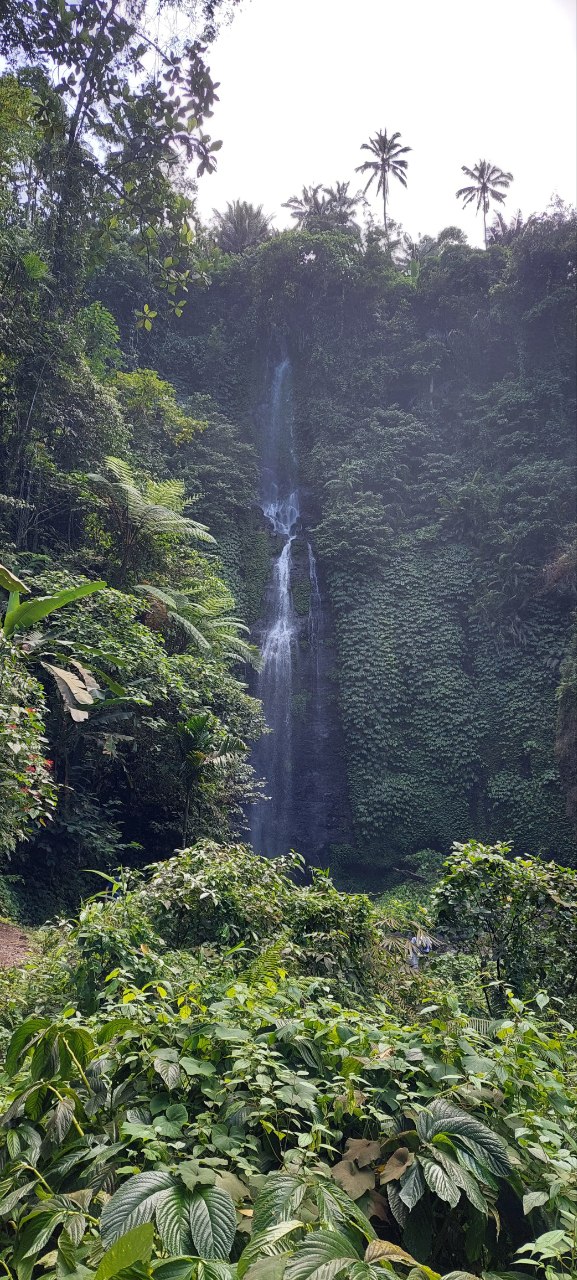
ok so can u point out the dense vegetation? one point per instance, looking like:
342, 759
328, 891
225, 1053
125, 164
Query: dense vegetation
211, 1080
220, 1066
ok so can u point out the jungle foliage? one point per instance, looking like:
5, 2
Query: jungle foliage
224, 1073
435, 408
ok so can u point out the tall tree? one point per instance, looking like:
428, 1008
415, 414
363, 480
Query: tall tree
488, 182
388, 158
241, 226
341, 207
307, 207
118, 111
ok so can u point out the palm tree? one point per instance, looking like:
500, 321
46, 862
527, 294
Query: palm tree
241, 226
388, 159
503, 232
340, 206
488, 183
307, 208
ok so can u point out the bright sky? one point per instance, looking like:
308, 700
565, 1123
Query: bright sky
305, 82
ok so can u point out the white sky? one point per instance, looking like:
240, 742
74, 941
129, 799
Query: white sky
305, 82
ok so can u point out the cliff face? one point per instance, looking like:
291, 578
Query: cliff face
434, 440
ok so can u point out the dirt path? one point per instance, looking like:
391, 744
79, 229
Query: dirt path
14, 946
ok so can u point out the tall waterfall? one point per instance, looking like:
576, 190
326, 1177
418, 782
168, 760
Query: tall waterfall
277, 822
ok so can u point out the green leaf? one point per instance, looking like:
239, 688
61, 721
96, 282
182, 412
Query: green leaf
37, 1232
134, 1246
321, 1256
169, 1072
278, 1200
212, 1222
173, 1220
494, 1161
134, 1202
33, 610
22, 1037
442, 1117
534, 1200
440, 1182
412, 1187
60, 1119
10, 582
271, 1268
266, 1243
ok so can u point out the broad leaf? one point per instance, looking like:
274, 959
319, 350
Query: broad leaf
169, 1072
134, 1246
23, 1036
278, 1200
362, 1150
378, 1249
412, 1187
173, 1220
321, 1256
396, 1165
134, 1202
266, 1244
355, 1181
33, 610
212, 1222
10, 582
440, 1182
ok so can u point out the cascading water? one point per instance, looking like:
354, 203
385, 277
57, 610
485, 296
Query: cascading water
270, 827
298, 758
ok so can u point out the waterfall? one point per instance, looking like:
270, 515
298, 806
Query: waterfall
292, 758
299, 760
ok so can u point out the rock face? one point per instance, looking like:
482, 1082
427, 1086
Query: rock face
299, 759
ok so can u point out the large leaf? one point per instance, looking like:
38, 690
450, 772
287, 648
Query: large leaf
336, 1208
10, 582
278, 1200
268, 1268
354, 1181
173, 1220
22, 1038
412, 1187
212, 1222
384, 1249
442, 1117
266, 1243
396, 1165
134, 1202
463, 1179
440, 1182
321, 1256
168, 1071
397, 1206
33, 610
362, 1150
497, 1160
72, 690
135, 1246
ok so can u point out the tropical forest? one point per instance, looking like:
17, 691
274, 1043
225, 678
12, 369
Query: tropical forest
288, 691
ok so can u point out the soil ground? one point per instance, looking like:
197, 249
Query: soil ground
14, 946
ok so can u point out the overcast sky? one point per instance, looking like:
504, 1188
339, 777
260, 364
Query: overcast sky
305, 82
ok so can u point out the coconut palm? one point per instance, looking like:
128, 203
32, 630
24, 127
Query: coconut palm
307, 208
388, 159
341, 207
241, 226
503, 232
488, 182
